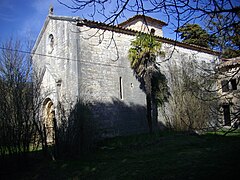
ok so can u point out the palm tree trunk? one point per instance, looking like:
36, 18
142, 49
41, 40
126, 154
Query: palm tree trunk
148, 89
154, 111
149, 112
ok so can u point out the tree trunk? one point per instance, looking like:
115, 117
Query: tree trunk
148, 89
149, 112
154, 111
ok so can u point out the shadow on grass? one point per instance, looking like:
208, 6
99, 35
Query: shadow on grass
78, 131
163, 155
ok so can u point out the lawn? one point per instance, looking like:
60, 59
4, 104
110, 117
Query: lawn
164, 155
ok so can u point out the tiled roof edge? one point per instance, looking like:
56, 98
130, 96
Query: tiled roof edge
121, 29
116, 28
142, 16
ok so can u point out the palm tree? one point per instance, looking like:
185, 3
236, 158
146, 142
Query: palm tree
142, 55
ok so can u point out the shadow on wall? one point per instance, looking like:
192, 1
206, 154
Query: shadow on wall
88, 123
74, 132
118, 118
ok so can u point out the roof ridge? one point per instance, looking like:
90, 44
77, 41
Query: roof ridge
117, 28
163, 39
141, 16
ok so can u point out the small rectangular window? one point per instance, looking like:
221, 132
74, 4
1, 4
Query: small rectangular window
233, 84
120, 88
225, 87
226, 114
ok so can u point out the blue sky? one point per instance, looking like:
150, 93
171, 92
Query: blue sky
23, 19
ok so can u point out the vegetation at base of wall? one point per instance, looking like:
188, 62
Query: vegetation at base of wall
164, 155
225, 132
22, 118
19, 126
192, 103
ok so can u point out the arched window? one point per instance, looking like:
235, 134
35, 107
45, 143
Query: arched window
48, 120
50, 43
152, 31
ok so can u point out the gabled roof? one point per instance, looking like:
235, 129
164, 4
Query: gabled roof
132, 32
144, 18
50, 16
80, 22
230, 63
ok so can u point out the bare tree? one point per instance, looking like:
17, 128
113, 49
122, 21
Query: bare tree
20, 101
190, 105
177, 13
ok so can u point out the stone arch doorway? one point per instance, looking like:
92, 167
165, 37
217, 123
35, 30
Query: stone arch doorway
49, 121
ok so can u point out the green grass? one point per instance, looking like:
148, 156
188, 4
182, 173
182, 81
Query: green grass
159, 156
226, 132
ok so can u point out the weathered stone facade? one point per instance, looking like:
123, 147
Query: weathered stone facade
82, 59
229, 91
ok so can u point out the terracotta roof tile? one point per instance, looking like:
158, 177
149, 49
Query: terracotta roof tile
147, 18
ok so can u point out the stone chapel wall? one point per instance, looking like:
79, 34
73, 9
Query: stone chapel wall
92, 64
109, 83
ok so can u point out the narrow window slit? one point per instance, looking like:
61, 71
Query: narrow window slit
120, 88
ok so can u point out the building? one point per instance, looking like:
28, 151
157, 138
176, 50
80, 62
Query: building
88, 60
229, 91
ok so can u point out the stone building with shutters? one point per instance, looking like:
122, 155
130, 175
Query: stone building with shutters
229, 90
86, 60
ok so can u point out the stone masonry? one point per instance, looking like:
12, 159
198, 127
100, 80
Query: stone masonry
87, 60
